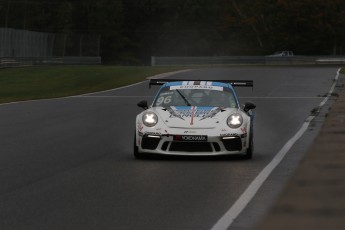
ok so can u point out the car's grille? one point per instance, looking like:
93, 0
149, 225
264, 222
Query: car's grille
191, 146
165, 146
233, 144
150, 142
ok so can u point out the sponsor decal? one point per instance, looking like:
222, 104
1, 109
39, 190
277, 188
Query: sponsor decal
229, 135
140, 127
153, 133
190, 112
197, 138
212, 113
196, 87
193, 112
163, 100
187, 131
167, 93
172, 113
192, 119
233, 135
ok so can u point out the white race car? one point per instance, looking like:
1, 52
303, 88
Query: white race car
195, 118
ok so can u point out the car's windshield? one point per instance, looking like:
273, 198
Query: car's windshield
196, 97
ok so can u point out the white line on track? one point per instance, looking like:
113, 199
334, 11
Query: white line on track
114, 96
228, 218
158, 76
91, 94
280, 97
109, 90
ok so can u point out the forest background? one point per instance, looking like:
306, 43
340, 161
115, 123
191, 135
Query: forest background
131, 31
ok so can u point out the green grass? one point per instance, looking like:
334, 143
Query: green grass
29, 83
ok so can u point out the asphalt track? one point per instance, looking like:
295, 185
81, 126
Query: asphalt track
68, 164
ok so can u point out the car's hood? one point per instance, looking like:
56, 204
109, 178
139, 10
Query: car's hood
193, 116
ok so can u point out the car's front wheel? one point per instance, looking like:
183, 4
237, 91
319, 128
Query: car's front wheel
250, 149
135, 149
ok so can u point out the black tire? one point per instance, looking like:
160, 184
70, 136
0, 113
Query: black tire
249, 154
250, 149
136, 153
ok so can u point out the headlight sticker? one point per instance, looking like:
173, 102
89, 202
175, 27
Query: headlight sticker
235, 120
150, 119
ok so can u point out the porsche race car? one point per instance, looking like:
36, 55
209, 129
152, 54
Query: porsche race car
196, 118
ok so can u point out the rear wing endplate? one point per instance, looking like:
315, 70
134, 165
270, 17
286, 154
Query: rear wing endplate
234, 83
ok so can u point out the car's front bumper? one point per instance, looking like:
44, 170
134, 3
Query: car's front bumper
215, 145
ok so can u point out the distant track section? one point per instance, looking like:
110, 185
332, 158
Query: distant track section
243, 60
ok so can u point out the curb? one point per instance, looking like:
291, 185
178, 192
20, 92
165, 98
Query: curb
314, 198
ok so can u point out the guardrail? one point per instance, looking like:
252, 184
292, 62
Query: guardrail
33, 61
259, 60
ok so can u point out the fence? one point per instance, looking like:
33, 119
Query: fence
256, 60
22, 48
22, 43
31, 61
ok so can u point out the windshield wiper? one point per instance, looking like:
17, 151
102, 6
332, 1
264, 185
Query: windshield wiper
184, 98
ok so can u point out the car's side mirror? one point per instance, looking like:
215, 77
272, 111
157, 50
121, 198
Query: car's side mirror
248, 106
143, 104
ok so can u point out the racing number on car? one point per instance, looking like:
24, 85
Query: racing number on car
164, 100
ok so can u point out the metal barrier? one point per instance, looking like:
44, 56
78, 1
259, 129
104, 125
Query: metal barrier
35, 61
243, 60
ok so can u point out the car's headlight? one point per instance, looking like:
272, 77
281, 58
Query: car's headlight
150, 119
235, 120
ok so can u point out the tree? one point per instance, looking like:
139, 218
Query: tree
131, 31
312, 26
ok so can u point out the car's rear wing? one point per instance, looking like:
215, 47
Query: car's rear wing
235, 83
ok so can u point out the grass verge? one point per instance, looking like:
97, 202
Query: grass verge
30, 83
